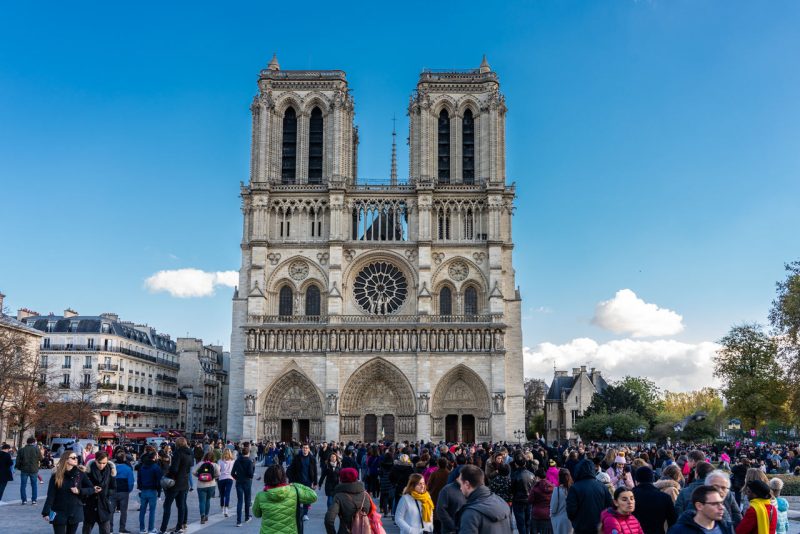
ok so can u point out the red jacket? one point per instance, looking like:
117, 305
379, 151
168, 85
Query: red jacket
749, 524
539, 497
614, 523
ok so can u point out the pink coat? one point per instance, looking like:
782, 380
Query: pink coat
552, 475
614, 523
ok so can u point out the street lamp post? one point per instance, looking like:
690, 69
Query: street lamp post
519, 434
609, 431
641, 430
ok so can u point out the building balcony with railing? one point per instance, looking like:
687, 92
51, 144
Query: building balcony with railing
116, 350
108, 367
375, 319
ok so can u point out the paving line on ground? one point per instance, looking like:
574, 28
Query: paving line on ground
6, 503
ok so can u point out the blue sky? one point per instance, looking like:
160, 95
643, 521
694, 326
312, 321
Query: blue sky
654, 145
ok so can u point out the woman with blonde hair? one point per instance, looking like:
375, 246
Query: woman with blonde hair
671, 481
65, 493
225, 480
415, 509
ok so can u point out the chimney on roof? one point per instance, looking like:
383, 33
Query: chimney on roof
23, 313
576, 371
583, 368
69, 312
110, 316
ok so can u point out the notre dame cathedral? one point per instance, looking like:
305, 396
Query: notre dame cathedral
386, 310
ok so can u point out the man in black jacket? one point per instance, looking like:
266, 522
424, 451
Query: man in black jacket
586, 499
653, 506
6, 468
179, 469
522, 482
706, 516
484, 512
447, 506
304, 471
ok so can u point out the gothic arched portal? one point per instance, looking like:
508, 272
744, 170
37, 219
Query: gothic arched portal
461, 407
377, 402
292, 409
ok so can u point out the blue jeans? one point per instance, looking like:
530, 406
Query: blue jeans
243, 491
34, 486
147, 498
225, 491
204, 495
522, 515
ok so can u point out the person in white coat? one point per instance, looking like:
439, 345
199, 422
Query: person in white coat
414, 513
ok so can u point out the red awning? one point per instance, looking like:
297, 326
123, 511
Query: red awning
106, 435
105, 413
139, 435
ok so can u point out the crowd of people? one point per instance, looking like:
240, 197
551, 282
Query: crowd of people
533, 488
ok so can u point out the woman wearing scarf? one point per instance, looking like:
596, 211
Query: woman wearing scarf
761, 517
415, 510
102, 475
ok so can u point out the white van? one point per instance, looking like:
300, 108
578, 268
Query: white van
68, 444
155, 442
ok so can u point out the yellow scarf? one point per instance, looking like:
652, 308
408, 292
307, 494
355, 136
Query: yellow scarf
762, 518
424, 499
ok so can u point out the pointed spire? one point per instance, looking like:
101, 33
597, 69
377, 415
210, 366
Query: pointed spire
394, 151
273, 63
485, 66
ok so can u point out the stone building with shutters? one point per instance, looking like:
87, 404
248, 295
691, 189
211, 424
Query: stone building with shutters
381, 309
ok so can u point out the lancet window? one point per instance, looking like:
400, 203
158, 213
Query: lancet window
471, 301
460, 220
468, 148
380, 220
445, 301
285, 304
315, 135
289, 156
444, 147
312, 300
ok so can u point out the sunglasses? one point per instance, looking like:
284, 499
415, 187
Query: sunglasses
72, 458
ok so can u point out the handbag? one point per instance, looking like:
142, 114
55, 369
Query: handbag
167, 483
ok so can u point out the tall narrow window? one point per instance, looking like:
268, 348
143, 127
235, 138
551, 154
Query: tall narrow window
445, 301
444, 224
468, 148
312, 300
285, 301
289, 163
444, 147
315, 147
471, 301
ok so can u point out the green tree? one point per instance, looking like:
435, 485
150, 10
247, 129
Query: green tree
635, 394
747, 364
649, 394
623, 425
785, 319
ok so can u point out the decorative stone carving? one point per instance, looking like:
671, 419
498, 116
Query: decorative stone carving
483, 427
478, 257
461, 390
380, 288
458, 270
330, 405
249, 405
322, 257
438, 257
499, 403
273, 258
411, 254
349, 254
378, 387
298, 270
438, 425
422, 403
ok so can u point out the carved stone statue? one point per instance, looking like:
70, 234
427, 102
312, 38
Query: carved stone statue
422, 403
249, 405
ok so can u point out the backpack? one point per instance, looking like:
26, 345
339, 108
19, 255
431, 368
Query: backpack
361, 524
205, 473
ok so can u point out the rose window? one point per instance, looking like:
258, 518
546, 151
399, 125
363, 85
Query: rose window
380, 288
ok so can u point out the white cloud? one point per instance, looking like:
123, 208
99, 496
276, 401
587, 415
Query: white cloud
186, 283
672, 365
628, 314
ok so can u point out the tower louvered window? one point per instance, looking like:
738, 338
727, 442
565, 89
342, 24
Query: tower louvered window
285, 301
444, 147
315, 147
312, 300
289, 159
445, 301
468, 147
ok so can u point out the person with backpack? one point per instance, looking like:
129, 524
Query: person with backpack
124, 486
351, 504
207, 473
242, 473
149, 483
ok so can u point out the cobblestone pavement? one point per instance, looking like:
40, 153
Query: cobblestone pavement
18, 519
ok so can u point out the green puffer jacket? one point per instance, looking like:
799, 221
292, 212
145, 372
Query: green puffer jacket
277, 507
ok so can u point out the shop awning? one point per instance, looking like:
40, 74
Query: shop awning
106, 435
139, 435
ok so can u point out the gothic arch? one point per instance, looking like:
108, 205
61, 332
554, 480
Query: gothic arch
453, 294
468, 102
444, 102
377, 387
316, 99
281, 274
292, 396
476, 276
289, 99
461, 391
400, 261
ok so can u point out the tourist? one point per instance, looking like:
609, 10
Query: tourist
539, 499
387, 486
88, 454
225, 480
277, 504
179, 469
706, 515
586, 499
670, 482
149, 483
500, 484
620, 473
722, 481
776, 486
522, 481
6, 468
401, 472
373, 464
654, 509
242, 473
414, 512
97, 507
448, 504
207, 473
330, 476
619, 518
67, 488
558, 504
122, 491
350, 498
27, 463
762, 516
303, 470
701, 470
436, 481
483, 512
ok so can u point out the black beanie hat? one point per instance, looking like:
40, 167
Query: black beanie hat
644, 474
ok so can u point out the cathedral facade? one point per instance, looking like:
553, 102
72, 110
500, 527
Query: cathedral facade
386, 310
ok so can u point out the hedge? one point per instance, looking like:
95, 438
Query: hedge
791, 485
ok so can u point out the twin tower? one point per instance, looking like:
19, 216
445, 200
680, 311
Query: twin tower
376, 310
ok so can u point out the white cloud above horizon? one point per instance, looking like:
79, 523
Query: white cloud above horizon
628, 314
672, 365
190, 283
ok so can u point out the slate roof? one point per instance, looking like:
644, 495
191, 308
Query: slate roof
11, 322
564, 384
